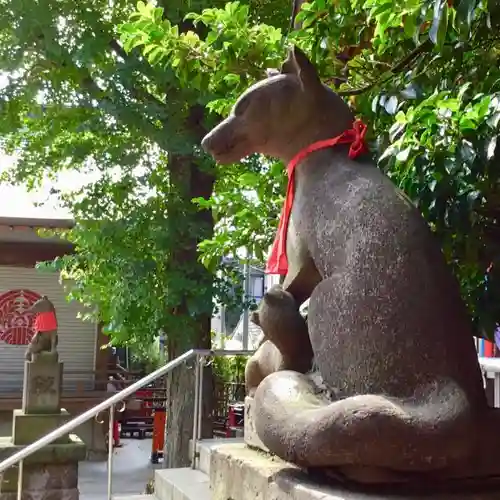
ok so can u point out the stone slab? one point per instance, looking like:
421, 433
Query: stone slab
240, 473
42, 385
52, 453
72, 494
60, 474
27, 428
50, 476
204, 450
182, 484
47, 481
250, 434
134, 497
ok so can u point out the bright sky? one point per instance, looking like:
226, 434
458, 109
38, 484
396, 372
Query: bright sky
16, 201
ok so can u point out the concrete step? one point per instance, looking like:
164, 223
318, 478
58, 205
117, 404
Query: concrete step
133, 497
181, 484
205, 447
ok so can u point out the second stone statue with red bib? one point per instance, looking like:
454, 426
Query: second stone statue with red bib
45, 338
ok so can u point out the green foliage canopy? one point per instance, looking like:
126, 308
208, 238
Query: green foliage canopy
423, 74
118, 83
77, 99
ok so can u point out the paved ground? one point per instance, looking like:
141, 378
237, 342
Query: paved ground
131, 471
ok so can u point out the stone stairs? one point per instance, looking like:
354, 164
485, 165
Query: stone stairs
182, 484
229, 470
185, 483
134, 497
188, 483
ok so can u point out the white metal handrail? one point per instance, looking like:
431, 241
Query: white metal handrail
109, 404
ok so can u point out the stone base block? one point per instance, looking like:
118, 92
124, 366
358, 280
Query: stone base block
59, 475
42, 481
27, 428
256, 475
72, 494
50, 476
42, 385
250, 434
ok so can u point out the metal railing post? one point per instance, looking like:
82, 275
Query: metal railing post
195, 411
200, 399
110, 449
20, 468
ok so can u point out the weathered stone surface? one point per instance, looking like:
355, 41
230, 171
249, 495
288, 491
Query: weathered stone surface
391, 336
71, 494
27, 428
52, 453
51, 473
250, 434
239, 473
42, 385
286, 344
50, 476
8, 481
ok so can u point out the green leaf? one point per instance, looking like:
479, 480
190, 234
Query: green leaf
465, 10
491, 148
439, 26
404, 154
451, 104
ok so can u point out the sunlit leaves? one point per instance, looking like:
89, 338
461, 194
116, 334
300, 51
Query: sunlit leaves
427, 83
231, 56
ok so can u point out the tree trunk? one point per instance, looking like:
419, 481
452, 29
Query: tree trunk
180, 414
188, 181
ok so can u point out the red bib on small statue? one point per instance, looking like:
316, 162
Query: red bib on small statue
46, 321
278, 262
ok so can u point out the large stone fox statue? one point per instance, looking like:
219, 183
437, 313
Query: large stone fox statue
390, 333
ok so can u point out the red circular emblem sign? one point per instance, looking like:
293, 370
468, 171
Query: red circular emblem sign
16, 324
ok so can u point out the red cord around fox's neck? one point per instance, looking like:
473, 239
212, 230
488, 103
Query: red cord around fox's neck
278, 262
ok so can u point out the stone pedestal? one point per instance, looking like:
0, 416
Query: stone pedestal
42, 384
256, 475
269, 478
250, 434
52, 472
49, 474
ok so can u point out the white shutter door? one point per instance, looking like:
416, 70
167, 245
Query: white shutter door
77, 339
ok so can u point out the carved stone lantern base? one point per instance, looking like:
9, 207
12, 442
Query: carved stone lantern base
51, 472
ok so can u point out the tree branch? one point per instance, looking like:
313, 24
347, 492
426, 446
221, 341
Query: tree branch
397, 68
138, 92
88, 85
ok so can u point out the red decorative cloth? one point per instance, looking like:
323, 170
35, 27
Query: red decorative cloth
46, 321
278, 262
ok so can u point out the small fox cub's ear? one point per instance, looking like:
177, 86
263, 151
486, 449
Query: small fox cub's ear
254, 318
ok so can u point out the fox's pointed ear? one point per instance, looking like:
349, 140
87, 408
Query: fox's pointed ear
289, 67
306, 70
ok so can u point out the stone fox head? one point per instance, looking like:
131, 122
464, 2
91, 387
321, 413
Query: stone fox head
280, 115
278, 315
42, 305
